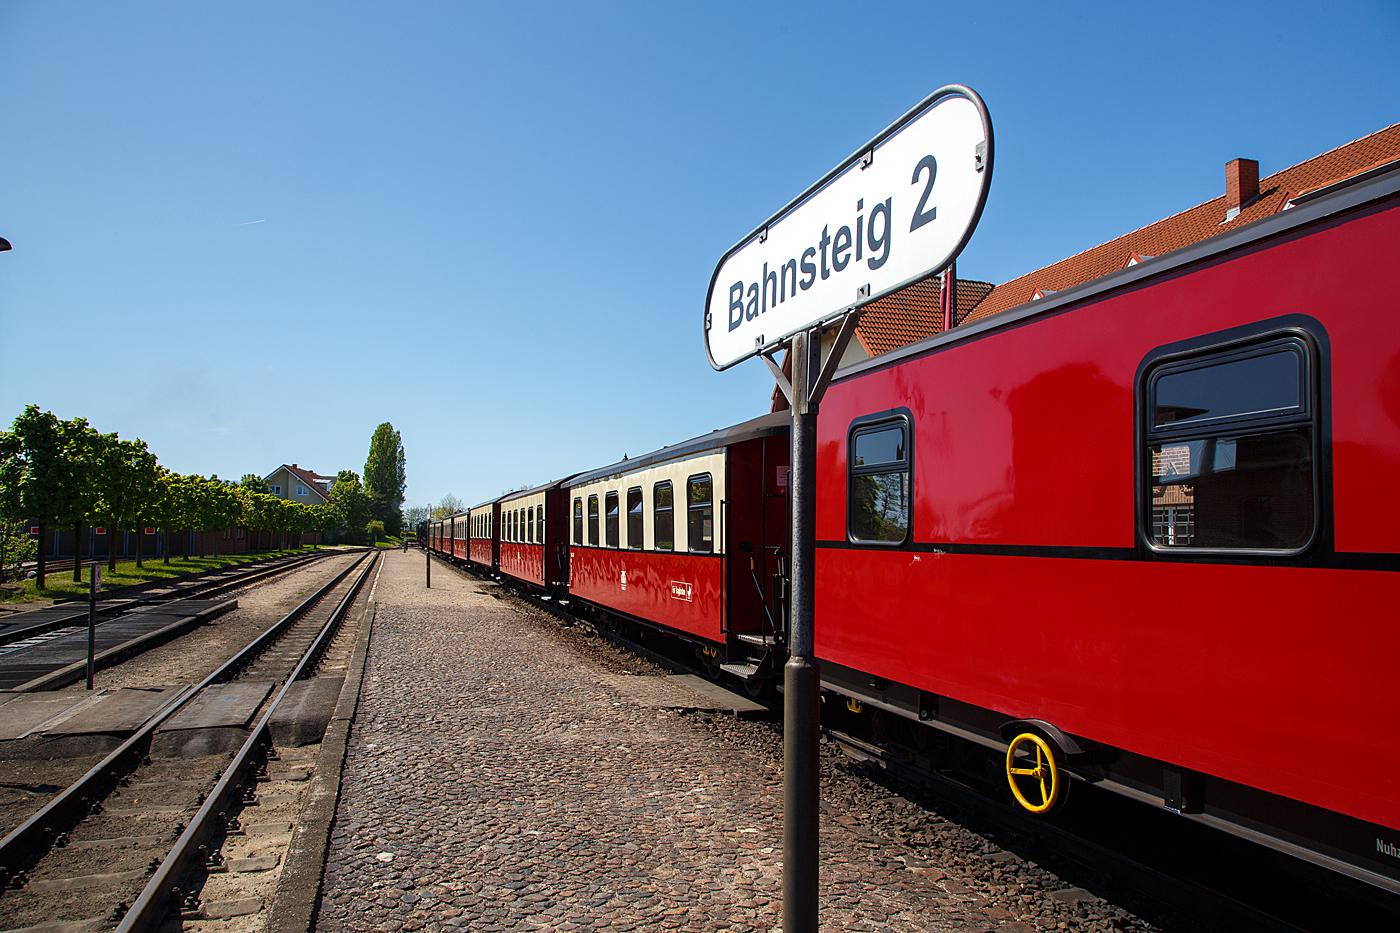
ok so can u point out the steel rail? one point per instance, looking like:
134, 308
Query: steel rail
150, 908
28, 841
186, 589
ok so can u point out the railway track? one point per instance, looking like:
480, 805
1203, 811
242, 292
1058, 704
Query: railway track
208, 585
150, 824
1116, 850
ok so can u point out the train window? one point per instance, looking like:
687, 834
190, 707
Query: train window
539, 524
530, 525
515, 524
635, 527
877, 499
663, 516
593, 520
1230, 438
578, 521
611, 519
700, 507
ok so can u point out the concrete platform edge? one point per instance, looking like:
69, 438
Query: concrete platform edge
118, 653
298, 898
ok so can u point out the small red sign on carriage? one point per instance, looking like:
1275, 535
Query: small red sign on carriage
682, 591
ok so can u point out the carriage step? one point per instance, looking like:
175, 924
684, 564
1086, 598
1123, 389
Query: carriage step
767, 640
744, 671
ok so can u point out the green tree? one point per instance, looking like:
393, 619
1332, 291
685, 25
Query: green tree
127, 482
450, 505
351, 506
323, 518
81, 444
254, 483
215, 505
44, 473
385, 478
16, 547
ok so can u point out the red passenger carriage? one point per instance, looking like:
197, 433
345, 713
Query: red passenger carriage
1151, 522
690, 538
483, 526
534, 540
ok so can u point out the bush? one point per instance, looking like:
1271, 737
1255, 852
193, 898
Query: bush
374, 531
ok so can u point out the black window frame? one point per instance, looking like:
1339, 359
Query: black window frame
1262, 339
594, 521
529, 524
641, 519
873, 424
656, 516
578, 520
612, 518
691, 506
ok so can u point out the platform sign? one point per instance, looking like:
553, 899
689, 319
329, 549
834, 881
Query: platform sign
898, 210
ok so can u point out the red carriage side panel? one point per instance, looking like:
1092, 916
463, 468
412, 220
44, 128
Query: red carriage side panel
1270, 676
679, 591
523, 561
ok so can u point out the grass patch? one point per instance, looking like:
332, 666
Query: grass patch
60, 573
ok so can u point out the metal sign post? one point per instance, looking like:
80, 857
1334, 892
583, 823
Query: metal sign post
94, 584
899, 209
428, 565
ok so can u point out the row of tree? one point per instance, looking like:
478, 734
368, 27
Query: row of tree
58, 474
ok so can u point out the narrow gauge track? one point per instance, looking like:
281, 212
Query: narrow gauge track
208, 585
109, 835
1104, 843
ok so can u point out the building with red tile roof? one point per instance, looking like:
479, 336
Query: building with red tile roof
1247, 198
305, 486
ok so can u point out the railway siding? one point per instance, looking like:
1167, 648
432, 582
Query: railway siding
497, 779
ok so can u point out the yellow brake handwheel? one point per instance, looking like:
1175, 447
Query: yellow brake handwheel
1034, 773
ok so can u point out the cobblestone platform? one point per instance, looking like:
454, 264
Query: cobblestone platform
496, 780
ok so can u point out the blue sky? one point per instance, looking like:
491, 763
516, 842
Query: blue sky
250, 233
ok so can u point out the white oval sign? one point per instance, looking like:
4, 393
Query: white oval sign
899, 209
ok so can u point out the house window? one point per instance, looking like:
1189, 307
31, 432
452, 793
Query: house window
578, 521
700, 508
277, 490
635, 527
1229, 450
301, 490
612, 519
593, 520
877, 501
663, 516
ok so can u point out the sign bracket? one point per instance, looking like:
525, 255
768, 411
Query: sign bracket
777, 372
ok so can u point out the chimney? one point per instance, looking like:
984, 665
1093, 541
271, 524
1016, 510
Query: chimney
1241, 185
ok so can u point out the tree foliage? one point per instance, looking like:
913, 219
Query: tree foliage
126, 480
46, 471
351, 506
385, 477
450, 505
56, 473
